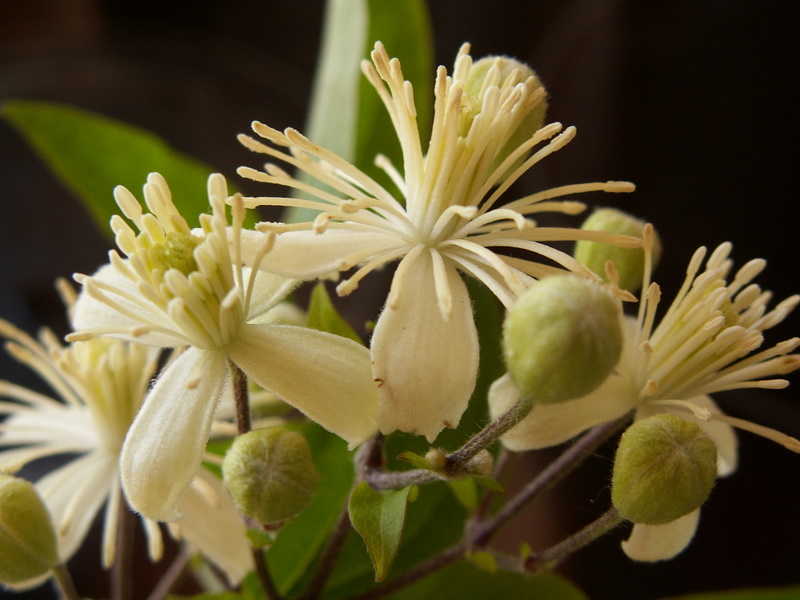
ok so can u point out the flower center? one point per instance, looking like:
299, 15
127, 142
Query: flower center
175, 252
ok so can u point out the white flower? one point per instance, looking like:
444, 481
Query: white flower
425, 345
101, 384
703, 344
180, 287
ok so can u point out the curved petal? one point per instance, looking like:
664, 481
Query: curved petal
212, 524
723, 435
267, 291
166, 442
306, 254
426, 366
91, 313
325, 376
651, 543
551, 424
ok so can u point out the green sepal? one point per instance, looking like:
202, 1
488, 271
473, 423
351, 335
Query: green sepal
415, 460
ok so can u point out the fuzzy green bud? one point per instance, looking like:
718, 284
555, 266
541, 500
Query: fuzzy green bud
270, 474
664, 469
505, 72
28, 546
629, 262
561, 339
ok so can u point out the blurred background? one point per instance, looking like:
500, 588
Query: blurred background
692, 101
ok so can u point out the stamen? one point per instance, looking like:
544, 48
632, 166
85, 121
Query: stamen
699, 412
774, 435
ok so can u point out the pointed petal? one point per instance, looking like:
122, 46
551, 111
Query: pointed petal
551, 424
651, 543
166, 441
325, 376
306, 254
212, 524
90, 313
426, 366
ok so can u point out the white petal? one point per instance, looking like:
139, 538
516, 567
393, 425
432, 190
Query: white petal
91, 313
325, 376
551, 424
267, 291
212, 524
306, 254
651, 543
426, 366
723, 435
166, 441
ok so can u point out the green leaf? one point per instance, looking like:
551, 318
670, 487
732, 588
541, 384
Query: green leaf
208, 596
322, 315
465, 580
415, 460
379, 516
785, 593
91, 154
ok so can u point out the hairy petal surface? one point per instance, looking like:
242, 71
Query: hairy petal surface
426, 365
166, 442
325, 376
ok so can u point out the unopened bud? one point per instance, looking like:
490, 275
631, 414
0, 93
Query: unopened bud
504, 72
28, 546
629, 262
664, 469
270, 474
561, 339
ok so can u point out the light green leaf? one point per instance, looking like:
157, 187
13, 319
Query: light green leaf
323, 316
91, 154
415, 460
379, 516
785, 593
465, 580
466, 492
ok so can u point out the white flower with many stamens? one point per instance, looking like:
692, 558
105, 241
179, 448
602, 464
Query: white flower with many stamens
180, 287
702, 345
447, 220
101, 384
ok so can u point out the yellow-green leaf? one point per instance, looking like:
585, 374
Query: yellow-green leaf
322, 315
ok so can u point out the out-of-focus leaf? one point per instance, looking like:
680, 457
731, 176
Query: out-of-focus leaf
415, 460
465, 580
783, 593
322, 315
91, 154
209, 596
378, 516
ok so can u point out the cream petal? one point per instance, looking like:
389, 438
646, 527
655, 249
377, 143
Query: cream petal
651, 543
306, 254
166, 442
267, 291
325, 376
723, 435
552, 424
93, 314
426, 366
212, 524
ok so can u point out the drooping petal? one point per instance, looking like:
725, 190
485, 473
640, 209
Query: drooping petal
651, 543
166, 441
92, 314
212, 524
723, 435
426, 365
551, 424
307, 254
325, 376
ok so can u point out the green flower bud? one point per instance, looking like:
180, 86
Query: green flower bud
629, 262
27, 539
270, 474
561, 339
664, 469
507, 72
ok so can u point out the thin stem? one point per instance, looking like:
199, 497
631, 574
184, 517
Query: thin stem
64, 582
549, 558
121, 582
329, 555
171, 576
264, 576
241, 396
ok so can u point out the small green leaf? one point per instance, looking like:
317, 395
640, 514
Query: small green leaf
465, 491
260, 538
322, 315
485, 561
91, 154
785, 593
379, 516
416, 460
490, 484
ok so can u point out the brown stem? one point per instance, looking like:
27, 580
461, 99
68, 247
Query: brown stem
171, 576
121, 582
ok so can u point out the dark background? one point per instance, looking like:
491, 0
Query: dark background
692, 101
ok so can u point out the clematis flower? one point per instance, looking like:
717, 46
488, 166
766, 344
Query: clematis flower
703, 344
446, 220
180, 287
100, 385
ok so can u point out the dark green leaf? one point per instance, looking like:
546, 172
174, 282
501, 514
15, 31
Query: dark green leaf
322, 315
91, 154
786, 593
379, 516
